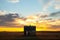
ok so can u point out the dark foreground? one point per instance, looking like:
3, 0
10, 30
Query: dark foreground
42, 35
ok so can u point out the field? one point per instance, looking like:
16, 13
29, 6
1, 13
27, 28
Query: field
40, 35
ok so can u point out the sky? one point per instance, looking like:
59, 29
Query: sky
29, 7
33, 9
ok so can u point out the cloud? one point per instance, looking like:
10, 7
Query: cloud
43, 14
8, 20
3, 12
48, 4
57, 4
57, 1
56, 14
13, 1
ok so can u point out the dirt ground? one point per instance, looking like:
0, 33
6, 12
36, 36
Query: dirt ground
41, 35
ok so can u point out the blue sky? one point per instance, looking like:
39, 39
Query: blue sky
28, 7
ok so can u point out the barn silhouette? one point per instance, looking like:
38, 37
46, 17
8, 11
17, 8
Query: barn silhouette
29, 30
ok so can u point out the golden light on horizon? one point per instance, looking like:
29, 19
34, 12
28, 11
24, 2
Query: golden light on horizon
42, 25
11, 29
